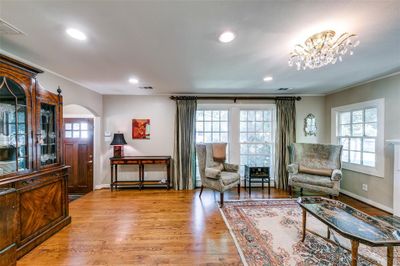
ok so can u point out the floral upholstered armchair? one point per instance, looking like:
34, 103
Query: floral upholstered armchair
215, 173
315, 167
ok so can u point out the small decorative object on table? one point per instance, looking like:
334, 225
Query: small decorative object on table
118, 142
256, 174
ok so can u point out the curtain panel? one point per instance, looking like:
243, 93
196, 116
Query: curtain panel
285, 135
184, 147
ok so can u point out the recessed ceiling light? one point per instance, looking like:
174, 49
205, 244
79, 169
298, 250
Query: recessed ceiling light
76, 34
226, 36
133, 81
269, 78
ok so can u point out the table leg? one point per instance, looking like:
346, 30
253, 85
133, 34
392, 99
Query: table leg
304, 225
141, 176
116, 176
269, 187
168, 175
112, 178
354, 252
390, 256
249, 186
262, 183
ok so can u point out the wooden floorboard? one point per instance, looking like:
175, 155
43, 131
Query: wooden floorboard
154, 226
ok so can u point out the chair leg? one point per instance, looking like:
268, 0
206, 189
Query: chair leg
239, 188
290, 190
201, 191
221, 203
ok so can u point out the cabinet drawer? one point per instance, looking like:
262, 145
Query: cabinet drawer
160, 161
36, 180
147, 161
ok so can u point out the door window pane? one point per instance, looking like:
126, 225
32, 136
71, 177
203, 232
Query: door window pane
68, 134
84, 134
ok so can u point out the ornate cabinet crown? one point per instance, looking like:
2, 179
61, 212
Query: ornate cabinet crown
31, 154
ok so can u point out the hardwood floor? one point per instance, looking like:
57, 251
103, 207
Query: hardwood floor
133, 227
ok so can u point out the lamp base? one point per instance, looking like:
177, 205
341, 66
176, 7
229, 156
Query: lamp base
118, 151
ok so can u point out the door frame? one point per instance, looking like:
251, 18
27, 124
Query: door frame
91, 122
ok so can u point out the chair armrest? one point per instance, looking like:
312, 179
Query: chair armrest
336, 175
293, 168
213, 173
231, 167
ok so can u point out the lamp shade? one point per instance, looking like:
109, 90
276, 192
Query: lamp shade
118, 139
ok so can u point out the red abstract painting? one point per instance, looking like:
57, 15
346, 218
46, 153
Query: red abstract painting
141, 128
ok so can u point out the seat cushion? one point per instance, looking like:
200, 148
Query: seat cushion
315, 180
229, 177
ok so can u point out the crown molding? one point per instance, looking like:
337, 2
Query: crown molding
362, 83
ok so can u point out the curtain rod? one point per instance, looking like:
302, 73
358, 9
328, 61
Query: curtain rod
235, 98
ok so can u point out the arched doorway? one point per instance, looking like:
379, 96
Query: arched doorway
78, 148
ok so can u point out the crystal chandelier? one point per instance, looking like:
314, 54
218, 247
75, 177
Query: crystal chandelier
321, 49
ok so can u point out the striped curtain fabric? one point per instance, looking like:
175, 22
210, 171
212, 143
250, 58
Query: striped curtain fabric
285, 135
184, 148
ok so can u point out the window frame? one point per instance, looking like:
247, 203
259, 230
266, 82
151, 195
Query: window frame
233, 155
379, 104
267, 107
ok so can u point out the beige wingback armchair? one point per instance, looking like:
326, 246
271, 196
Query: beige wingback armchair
216, 175
315, 167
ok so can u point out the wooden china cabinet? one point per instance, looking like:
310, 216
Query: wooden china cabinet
32, 174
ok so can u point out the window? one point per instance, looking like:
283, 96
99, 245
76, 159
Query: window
256, 138
76, 130
359, 128
211, 126
247, 128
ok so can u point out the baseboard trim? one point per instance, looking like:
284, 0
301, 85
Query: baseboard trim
101, 186
368, 201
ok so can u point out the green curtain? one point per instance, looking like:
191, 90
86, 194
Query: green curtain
184, 148
285, 135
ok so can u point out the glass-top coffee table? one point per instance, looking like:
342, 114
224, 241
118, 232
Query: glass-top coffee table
352, 224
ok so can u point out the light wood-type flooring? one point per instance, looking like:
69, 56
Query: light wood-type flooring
154, 226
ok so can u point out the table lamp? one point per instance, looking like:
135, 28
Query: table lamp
118, 142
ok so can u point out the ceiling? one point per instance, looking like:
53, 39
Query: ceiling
173, 45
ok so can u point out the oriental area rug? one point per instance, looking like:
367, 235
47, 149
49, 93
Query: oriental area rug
268, 232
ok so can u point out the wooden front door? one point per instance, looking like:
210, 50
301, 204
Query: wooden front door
78, 153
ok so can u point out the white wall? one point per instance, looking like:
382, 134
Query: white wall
316, 106
380, 190
118, 114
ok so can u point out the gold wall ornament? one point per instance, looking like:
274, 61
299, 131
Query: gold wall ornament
322, 49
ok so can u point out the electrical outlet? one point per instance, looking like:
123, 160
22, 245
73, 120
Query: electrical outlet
365, 187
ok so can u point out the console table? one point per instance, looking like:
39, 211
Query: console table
141, 161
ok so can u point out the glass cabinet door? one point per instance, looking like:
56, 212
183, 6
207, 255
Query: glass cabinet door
13, 128
48, 136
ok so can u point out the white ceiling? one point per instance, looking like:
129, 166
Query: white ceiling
172, 45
